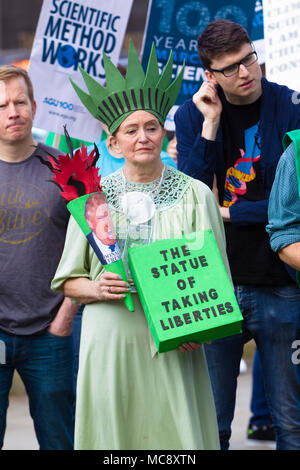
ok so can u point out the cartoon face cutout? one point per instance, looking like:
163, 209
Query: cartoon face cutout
99, 219
103, 225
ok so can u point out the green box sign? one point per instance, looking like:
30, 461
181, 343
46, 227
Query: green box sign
185, 291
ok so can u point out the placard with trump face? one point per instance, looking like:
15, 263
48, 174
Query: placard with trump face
91, 212
102, 233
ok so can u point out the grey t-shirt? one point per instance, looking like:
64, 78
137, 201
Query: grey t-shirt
33, 223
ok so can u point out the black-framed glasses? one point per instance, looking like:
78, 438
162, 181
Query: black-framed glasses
233, 69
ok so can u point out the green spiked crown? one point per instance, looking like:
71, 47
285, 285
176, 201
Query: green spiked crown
122, 96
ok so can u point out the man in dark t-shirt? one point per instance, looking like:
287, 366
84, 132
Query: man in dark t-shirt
251, 259
230, 137
35, 322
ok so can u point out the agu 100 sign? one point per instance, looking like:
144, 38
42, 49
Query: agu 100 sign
192, 17
176, 25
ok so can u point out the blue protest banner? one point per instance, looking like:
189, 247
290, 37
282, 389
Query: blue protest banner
257, 30
176, 25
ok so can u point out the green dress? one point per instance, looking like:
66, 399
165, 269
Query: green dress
129, 397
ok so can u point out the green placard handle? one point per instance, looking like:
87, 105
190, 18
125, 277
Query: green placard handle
117, 267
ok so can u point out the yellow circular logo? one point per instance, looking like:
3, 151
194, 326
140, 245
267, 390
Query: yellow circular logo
24, 212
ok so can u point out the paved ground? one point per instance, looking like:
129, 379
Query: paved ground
20, 433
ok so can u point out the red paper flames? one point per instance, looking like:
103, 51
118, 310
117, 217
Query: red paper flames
76, 175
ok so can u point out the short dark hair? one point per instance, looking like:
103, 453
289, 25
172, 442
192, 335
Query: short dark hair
220, 37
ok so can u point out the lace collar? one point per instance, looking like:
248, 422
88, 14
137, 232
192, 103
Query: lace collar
172, 188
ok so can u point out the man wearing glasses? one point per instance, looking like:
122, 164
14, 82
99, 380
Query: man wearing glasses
229, 135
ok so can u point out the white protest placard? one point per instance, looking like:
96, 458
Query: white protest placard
71, 34
282, 42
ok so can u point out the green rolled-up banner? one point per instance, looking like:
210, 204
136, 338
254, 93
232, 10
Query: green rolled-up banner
91, 212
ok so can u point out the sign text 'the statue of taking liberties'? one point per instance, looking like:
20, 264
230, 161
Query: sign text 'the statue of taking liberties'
185, 290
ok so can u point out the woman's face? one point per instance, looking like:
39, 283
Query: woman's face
139, 138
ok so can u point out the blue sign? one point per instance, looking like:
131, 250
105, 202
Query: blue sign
257, 30
176, 25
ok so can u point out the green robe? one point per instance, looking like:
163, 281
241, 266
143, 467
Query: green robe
128, 396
